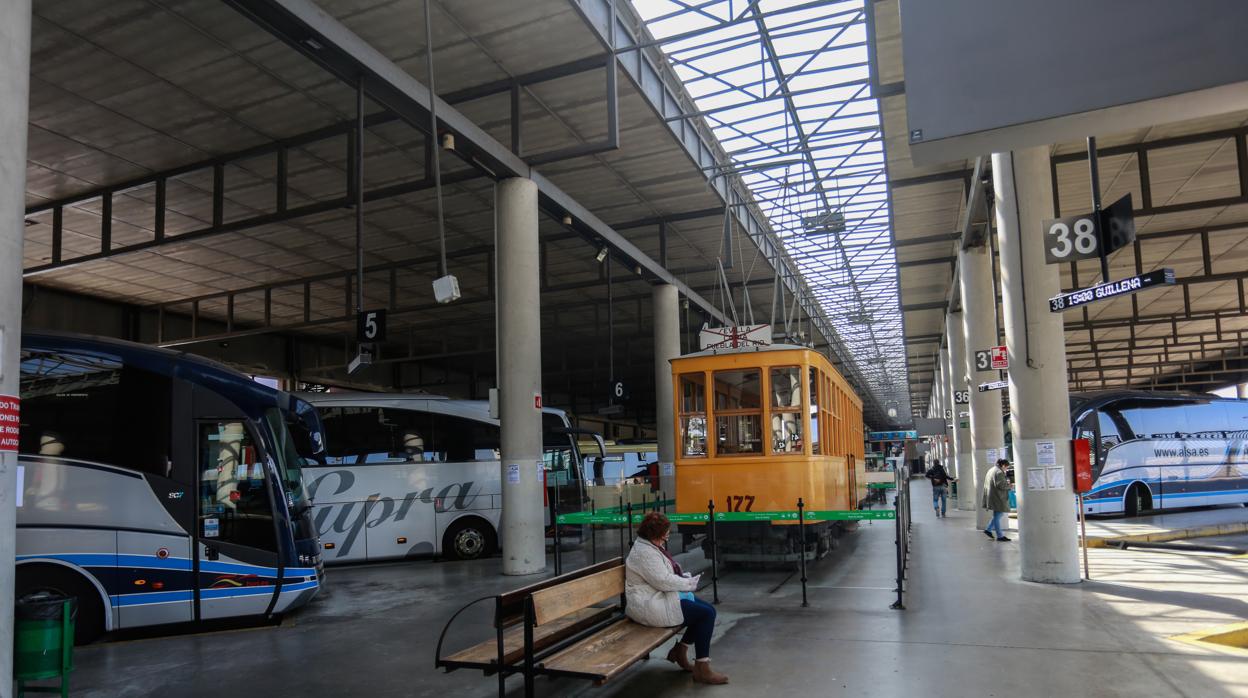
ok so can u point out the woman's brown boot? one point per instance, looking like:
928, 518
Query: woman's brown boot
702, 673
679, 655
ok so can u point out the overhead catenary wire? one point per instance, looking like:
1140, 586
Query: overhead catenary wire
434, 142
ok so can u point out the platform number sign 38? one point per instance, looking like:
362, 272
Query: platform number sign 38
370, 326
1071, 238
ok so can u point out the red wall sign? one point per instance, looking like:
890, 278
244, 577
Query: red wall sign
1000, 358
1081, 458
9, 422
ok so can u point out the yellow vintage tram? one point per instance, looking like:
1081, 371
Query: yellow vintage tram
759, 427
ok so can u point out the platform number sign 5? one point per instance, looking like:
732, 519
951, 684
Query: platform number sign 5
961, 397
370, 326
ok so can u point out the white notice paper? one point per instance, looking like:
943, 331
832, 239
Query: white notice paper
21, 472
1046, 453
1055, 478
667, 469
513, 473
541, 473
1035, 479
992, 456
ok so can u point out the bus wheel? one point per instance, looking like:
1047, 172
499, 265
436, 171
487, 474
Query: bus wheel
468, 539
89, 625
1138, 500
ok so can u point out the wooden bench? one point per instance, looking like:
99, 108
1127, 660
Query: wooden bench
560, 627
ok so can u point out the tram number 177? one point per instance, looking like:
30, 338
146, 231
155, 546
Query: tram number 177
735, 503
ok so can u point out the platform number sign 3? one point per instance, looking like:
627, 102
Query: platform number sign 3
983, 360
370, 326
961, 397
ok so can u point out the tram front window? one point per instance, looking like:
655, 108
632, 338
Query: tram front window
693, 414
738, 412
786, 408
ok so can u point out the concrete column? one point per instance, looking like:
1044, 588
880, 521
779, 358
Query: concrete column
15, 86
962, 434
979, 319
1039, 398
949, 452
938, 401
666, 347
520, 377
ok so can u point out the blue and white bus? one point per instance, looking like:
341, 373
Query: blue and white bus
1155, 451
158, 487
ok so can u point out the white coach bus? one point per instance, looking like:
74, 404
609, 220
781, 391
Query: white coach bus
410, 476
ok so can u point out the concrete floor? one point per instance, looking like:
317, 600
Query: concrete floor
971, 628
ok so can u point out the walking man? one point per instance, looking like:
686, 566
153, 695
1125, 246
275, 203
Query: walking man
940, 484
997, 497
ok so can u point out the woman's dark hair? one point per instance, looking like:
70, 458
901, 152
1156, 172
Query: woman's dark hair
653, 526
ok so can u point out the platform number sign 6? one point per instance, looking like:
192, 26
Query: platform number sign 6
370, 326
961, 397
1071, 239
619, 391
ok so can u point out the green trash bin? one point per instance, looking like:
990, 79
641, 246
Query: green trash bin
43, 640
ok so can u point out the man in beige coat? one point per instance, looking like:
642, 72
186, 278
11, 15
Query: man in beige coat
996, 497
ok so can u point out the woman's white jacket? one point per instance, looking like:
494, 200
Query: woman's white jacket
651, 587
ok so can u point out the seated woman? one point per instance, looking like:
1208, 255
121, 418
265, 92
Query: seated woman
659, 595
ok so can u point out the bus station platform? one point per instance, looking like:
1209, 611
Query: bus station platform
1225, 520
970, 628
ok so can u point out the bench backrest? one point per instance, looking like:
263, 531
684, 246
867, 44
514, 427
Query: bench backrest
510, 606
556, 602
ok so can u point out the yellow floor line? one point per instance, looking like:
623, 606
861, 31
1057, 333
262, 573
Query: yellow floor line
1227, 638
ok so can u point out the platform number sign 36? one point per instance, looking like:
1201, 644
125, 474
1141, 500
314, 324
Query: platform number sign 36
961, 397
370, 326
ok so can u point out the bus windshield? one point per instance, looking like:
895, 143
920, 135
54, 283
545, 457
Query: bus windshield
288, 459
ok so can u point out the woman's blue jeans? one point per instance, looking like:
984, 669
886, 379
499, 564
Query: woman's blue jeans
699, 624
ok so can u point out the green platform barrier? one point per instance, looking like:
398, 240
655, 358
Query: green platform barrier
881, 486
585, 517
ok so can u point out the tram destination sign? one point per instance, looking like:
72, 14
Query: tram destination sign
1113, 289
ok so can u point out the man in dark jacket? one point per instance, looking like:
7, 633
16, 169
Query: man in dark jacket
940, 485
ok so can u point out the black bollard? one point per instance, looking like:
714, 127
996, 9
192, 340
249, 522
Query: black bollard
801, 550
628, 516
593, 536
710, 510
555, 517
620, 510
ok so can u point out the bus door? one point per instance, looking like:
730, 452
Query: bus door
237, 561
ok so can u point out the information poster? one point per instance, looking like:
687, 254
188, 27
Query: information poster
513, 473
1055, 478
1046, 453
1035, 479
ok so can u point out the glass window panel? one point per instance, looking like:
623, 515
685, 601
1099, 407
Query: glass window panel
95, 408
738, 389
692, 393
786, 432
786, 387
739, 434
693, 435
234, 501
814, 411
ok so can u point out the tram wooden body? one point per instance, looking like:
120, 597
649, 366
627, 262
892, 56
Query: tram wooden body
756, 429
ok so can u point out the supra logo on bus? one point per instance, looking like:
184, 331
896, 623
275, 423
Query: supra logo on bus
349, 519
